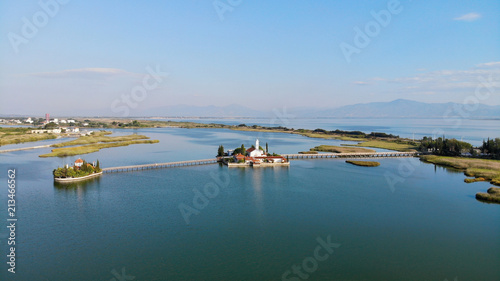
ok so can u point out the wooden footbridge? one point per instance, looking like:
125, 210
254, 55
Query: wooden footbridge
390, 154
289, 156
159, 165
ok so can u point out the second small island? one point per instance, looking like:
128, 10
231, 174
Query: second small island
363, 163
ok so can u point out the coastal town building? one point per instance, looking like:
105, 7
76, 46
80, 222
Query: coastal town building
68, 130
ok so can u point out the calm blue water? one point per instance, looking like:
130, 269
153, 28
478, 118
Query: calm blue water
258, 225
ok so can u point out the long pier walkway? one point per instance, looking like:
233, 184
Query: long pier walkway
290, 156
352, 155
24, 148
159, 165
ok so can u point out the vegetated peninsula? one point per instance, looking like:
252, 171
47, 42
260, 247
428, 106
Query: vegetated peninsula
95, 142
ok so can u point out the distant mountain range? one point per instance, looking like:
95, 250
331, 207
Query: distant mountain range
400, 108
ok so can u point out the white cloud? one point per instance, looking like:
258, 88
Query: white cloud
451, 80
360, 83
84, 73
489, 64
469, 17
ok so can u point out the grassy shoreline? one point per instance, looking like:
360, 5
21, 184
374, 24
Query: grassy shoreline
404, 147
487, 169
341, 149
117, 123
99, 137
90, 148
15, 135
95, 142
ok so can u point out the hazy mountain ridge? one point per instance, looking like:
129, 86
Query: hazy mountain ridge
400, 108
412, 109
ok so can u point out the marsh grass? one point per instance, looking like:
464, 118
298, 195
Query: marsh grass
474, 180
20, 135
99, 137
385, 145
363, 163
84, 149
342, 149
477, 168
492, 195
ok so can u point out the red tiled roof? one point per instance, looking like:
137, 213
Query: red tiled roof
79, 160
250, 149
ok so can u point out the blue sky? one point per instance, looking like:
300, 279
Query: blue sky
259, 54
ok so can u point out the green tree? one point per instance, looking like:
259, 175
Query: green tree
71, 173
220, 151
50, 125
57, 173
267, 148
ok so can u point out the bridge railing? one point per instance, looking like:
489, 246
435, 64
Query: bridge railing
160, 165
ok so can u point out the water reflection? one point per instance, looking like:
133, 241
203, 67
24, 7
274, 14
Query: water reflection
257, 188
79, 187
447, 169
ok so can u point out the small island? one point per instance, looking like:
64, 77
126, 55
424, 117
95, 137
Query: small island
493, 195
363, 163
255, 156
81, 170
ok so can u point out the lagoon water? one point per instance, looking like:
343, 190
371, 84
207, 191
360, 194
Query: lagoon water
428, 226
469, 130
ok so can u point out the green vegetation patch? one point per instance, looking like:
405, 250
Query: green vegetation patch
392, 145
363, 163
341, 149
473, 167
20, 135
90, 148
474, 180
100, 137
492, 195
308, 152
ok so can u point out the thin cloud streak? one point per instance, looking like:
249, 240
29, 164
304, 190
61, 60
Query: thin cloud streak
468, 17
444, 80
84, 73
